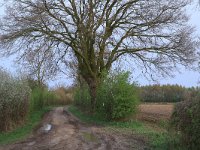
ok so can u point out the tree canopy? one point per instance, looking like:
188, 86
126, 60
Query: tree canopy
96, 33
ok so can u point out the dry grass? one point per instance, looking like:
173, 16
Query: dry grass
64, 96
155, 112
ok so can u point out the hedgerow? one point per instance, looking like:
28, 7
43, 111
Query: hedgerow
14, 100
186, 120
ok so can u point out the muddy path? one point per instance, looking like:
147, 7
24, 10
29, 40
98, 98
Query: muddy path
68, 133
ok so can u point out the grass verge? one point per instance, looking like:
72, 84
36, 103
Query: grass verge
157, 139
22, 132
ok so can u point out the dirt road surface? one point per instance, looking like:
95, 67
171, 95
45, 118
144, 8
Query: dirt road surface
68, 133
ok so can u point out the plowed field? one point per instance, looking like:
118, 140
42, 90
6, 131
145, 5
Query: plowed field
155, 112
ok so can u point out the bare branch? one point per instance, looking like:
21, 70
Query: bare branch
154, 33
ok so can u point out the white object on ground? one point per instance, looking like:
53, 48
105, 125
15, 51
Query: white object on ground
47, 127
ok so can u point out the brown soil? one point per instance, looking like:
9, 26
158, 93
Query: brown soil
68, 133
155, 112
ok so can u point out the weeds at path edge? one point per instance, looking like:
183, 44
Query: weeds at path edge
157, 140
22, 132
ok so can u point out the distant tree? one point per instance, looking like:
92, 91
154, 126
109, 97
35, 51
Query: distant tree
38, 63
165, 93
153, 34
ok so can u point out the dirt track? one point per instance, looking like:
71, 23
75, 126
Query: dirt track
68, 133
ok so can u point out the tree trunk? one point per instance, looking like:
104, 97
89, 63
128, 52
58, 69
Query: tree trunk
93, 94
92, 84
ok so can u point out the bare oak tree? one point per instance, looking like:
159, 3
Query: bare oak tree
153, 33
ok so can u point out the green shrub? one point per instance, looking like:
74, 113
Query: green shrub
116, 97
82, 97
14, 101
37, 99
186, 119
50, 98
41, 97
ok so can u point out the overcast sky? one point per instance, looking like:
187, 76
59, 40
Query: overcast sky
184, 77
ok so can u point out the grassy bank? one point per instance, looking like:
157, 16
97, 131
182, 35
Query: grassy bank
22, 132
158, 139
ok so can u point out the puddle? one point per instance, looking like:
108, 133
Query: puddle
46, 128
